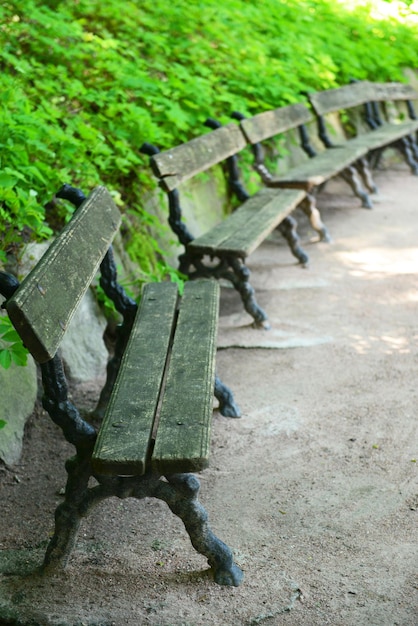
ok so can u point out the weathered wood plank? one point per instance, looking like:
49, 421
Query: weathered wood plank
392, 91
385, 135
346, 97
43, 306
321, 168
270, 123
243, 231
124, 440
359, 93
183, 436
185, 161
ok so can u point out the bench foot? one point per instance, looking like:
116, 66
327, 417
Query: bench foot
223, 394
264, 324
288, 229
349, 174
310, 209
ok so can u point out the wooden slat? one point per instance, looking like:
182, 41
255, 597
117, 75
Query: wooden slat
346, 97
392, 91
359, 93
270, 123
43, 306
185, 161
183, 436
321, 168
123, 443
243, 231
385, 135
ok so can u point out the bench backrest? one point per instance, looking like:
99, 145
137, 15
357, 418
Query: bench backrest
392, 92
357, 94
185, 161
346, 97
45, 302
271, 123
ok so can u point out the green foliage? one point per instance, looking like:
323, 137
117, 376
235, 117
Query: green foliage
83, 84
11, 347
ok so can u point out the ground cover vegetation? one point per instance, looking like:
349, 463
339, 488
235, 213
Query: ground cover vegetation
83, 84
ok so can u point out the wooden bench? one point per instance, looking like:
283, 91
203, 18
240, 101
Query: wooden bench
315, 169
382, 123
159, 390
232, 240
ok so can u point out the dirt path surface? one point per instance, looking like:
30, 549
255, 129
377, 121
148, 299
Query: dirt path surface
315, 488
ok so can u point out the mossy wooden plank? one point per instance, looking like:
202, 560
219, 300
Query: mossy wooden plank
270, 123
392, 91
243, 231
124, 440
359, 93
185, 161
264, 222
322, 167
345, 97
385, 135
42, 307
183, 437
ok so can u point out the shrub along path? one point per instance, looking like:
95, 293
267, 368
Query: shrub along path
315, 487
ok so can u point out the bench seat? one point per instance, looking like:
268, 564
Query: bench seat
243, 231
160, 412
385, 135
321, 168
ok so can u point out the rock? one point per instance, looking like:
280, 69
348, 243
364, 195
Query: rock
82, 349
18, 390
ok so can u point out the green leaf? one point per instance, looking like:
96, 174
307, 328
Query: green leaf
7, 181
5, 359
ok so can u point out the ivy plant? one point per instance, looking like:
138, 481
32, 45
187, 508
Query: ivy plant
11, 347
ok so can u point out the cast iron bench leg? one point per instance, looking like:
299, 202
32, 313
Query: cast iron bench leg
233, 270
366, 176
287, 228
405, 149
308, 206
349, 174
413, 145
68, 515
223, 394
240, 280
180, 494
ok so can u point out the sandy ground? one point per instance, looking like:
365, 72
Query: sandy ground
314, 488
